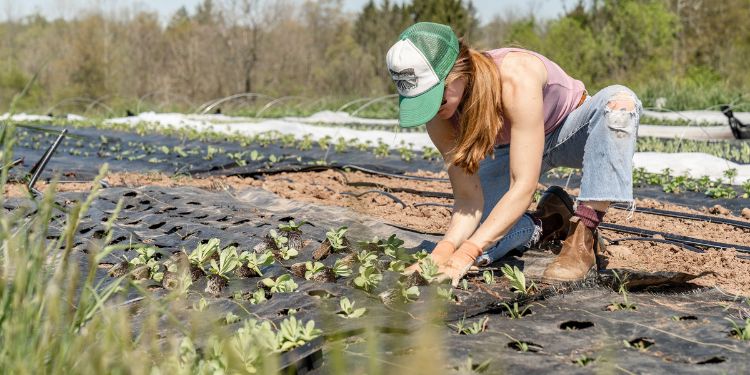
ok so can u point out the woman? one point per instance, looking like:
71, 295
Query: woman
501, 118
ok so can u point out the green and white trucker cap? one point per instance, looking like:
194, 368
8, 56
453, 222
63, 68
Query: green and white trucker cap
419, 63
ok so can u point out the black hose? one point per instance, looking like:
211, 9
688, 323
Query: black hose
434, 204
405, 177
683, 215
659, 240
389, 195
674, 237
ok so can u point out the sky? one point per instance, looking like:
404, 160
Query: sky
486, 9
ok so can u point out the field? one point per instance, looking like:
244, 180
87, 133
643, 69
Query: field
176, 249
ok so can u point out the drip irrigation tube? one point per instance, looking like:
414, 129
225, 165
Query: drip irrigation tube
674, 237
650, 239
394, 175
683, 215
427, 194
389, 195
434, 204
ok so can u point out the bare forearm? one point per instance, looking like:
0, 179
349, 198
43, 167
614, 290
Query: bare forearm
502, 217
465, 219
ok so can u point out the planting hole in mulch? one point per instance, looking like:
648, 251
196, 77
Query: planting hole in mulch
574, 325
525, 346
686, 317
712, 361
641, 343
619, 306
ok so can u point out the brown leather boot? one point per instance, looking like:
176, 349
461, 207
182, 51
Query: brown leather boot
554, 210
577, 256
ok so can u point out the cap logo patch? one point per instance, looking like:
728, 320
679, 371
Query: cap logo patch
405, 79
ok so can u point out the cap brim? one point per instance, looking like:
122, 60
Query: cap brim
418, 110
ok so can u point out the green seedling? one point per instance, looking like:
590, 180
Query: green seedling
340, 269
584, 360
517, 280
231, 318
464, 284
256, 156
292, 333
255, 261
394, 248
446, 294
489, 277
348, 311
258, 296
282, 284
312, 269
229, 260
146, 258
468, 367
407, 294
368, 278
292, 226
514, 312
738, 331
623, 291
366, 258
340, 146
336, 238
429, 269
419, 255
473, 328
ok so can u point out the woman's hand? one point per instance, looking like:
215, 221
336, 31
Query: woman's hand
440, 255
459, 263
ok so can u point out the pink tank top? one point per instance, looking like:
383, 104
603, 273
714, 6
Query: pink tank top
561, 94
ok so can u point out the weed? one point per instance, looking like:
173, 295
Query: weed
584, 360
622, 290
474, 328
738, 331
514, 312
517, 280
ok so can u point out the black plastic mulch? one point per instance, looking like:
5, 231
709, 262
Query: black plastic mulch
679, 329
86, 149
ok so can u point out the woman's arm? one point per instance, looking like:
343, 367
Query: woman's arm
467, 190
523, 78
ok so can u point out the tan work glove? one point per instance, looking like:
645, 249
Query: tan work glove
460, 262
442, 252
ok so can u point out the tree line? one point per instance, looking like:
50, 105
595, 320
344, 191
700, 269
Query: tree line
690, 52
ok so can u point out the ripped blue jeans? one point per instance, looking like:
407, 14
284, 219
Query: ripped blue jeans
599, 137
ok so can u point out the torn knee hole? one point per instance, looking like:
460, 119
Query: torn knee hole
622, 102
